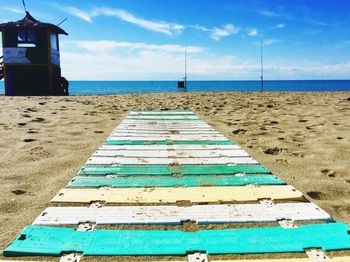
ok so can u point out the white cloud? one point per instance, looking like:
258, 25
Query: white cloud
200, 28
253, 32
13, 10
227, 30
146, 62
316, 22
105, 46
78, 13
270, 13
155, 26
271, 41
280, 26
159, 26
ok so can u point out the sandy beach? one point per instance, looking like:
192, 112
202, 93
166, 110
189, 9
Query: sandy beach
301, 137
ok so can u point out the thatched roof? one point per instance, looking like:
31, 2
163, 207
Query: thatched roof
30, 22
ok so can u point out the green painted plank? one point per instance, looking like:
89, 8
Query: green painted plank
164, 119
162, 181
165, 142
170, 170
39, 240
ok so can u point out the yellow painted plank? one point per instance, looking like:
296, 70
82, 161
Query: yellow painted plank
173, 195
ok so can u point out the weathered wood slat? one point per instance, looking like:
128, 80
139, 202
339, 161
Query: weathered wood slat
171, 154
170, 161
174, 195
170, 147
41, 240
170, 181
201, 214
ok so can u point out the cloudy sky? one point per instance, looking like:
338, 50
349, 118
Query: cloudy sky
146, 39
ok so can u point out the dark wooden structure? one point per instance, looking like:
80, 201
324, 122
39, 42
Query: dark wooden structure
30, 64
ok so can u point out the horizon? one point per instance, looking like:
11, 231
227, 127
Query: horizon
145, 40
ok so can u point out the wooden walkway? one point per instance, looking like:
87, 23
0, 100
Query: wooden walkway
166, 168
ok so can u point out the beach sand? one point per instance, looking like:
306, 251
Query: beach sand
301, 137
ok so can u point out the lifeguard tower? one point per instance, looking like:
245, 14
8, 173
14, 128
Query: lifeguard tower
30, 64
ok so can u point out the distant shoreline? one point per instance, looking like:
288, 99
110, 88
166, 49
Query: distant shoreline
145, 87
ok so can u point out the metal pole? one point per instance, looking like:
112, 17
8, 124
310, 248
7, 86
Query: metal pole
262, 67
24, 6
185, 82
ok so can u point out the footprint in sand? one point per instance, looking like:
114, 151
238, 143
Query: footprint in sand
316, 195
239, 131
273, 151
29, 140
19, 192
38, 120
328, 172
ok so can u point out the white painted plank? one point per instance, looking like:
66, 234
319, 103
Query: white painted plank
162, 128
168, 137
202, 214
160, 117
158, 126
169, 122
177, 136
163, 132
164, 123
171, 154
169, 147
170, 161
161, 113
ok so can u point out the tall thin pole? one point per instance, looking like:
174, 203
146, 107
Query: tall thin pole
185, 79
262, 66
24, 6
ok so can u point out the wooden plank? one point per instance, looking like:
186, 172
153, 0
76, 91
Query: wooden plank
171, 154
163, 170
170, 181
168, 116
201, 214
120, 131
165, 129
163, 126
162, 113
168, 138
168, 142
170, 147
170, 161
41, 240
334, 259
163, 119
173, 195
171, 122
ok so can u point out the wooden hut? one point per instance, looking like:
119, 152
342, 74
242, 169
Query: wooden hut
30, 64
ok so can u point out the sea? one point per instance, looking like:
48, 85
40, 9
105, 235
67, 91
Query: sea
127, 87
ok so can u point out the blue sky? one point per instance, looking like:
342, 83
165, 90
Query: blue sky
145, 39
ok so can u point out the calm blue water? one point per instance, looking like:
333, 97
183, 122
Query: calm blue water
125, 87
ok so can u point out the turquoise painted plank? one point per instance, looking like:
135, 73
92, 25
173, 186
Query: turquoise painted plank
170, 170
165, 142
162, 181
39, 240
164, 119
